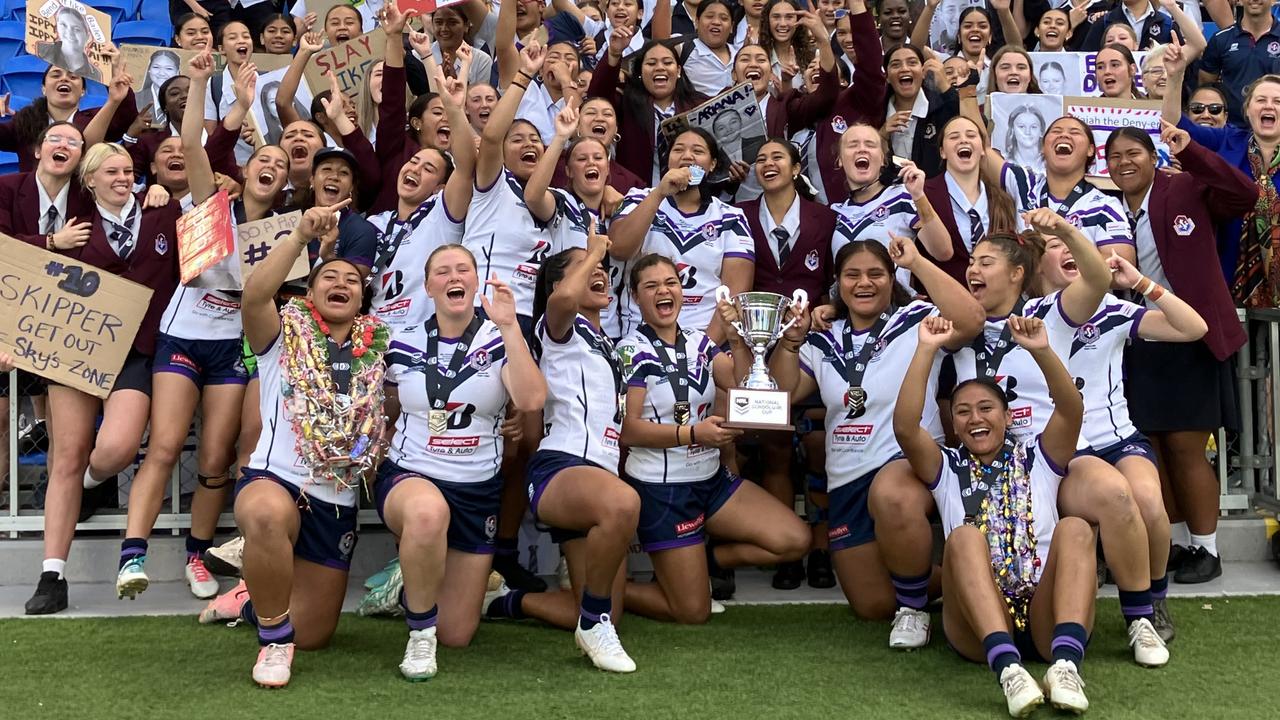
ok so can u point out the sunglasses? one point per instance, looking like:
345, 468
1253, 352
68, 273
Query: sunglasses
1212, 108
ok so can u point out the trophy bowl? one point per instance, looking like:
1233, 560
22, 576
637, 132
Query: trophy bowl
758, 403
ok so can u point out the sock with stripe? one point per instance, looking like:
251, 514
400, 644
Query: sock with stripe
1159, 587
1135, 604
912, 592
592, 608
1069, 640
1001, 652
507, 606
132, 548
196, 546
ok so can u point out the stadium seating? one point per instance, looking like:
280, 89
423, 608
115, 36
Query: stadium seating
143, 32
22, 75
12, 34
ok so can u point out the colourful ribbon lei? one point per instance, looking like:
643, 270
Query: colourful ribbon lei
340, 437
1005, 519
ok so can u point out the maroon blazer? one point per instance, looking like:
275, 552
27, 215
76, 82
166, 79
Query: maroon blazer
1185, 208
120, 122
862, 102
153, 263
797, 110
20, 206
620, 178
635, 146
809, 266
935, 189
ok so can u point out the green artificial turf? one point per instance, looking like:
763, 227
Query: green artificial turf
797, 661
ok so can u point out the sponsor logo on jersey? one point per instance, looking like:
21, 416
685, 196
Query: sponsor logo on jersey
1183, 225
215, 304
689, 527
852, 434
1021, 417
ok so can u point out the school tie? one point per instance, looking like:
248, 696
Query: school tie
975, 228
51, 220
784, 244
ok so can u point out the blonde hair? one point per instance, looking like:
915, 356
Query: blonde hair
98, 154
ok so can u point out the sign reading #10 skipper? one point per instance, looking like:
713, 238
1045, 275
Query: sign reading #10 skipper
64, 320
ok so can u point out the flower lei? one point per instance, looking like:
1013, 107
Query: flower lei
340, 438
1005, 519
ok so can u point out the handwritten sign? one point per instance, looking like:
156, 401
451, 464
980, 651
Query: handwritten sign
349, 62
733, 117
71, 35
1103, 115
204, 236
259, 237
64, 320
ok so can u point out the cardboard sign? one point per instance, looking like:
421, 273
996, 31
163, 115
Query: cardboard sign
1103, 115
349, 62
64, 320
733, 117
1018, 122
70, 35
259, 237
204, 236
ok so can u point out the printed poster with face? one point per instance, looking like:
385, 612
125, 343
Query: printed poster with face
70, 35
1018, 125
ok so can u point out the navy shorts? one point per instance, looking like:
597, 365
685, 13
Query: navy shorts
473, 507
674, 515
849, 522
1136, 445
542, 467
326, 532
204, 362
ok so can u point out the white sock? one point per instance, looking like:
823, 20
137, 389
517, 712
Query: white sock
1179, 534
54, 565
1208, 542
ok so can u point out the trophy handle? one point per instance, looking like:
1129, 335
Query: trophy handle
800, 299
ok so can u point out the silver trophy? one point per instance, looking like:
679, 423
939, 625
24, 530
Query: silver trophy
759, 404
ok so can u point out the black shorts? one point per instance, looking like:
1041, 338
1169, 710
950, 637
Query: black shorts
1174, 387
674, 515
204, 362
326, 532
29, 385
473, 507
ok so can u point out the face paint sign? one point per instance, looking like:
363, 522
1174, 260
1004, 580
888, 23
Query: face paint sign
67, 321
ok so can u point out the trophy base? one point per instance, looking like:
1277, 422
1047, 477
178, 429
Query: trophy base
759, 410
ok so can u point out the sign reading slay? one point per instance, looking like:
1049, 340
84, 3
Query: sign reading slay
66, 321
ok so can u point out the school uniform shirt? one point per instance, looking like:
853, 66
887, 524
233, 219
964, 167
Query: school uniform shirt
400, 265
505, 239
1098, 216
584, 386
699, 243
1017, 373
646, 367
890, 212
861, 443
1097, 363
1044, 477
470, 449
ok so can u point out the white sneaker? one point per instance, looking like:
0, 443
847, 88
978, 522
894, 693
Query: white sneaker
132, 579
227, 558
1021, 691
910, 629
601, 644
199, 580
419, 655
89, 482
1066, 689
1148, 649
273, 667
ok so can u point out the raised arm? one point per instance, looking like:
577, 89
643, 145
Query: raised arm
489, 162
308, 45
562, 304
1081, 299
1063, 429
916, 443
954, 302
520, 375
1175, 321
537, 194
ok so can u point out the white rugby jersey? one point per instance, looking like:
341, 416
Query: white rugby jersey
1018, 374
569, 230
1045, 478
859, 443
584, 379
504, 237
400, 285
699, 243
1097, 363
276, 451
646, 367
1097, 215
892, 211
470, 449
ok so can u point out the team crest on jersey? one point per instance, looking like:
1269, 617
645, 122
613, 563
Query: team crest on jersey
811, 260
1088, 332
162, 244
711, 231
838, 124
1273, 49
1183, 225
480, 360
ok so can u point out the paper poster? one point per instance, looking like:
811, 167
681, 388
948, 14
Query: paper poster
349, 61
732, 117
1018, 122
257, 239
1103, 115
205, 236
71, 35
64, 320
